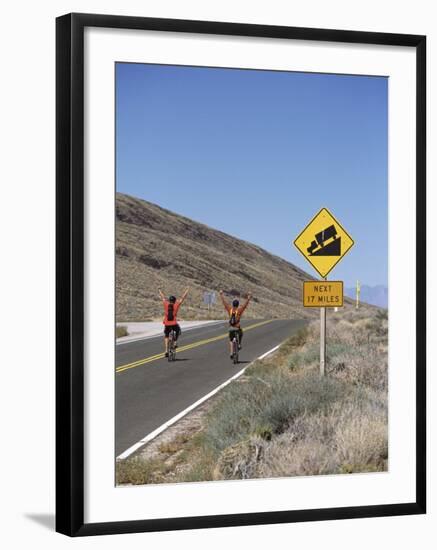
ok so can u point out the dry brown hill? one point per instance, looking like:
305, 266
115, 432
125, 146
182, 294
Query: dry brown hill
158, 248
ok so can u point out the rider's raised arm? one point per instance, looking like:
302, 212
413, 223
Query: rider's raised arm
184, 295
246, 303
161, 295
225, 303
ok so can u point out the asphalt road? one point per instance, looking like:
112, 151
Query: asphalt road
150, 390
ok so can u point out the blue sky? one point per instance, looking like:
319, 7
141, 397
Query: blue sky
257, 153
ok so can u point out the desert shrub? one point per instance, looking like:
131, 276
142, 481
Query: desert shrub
287, 457
306, 356
199, 462
285, 422
382, 314
298, 339
311, 353
138, 471
361, 440
266, 405
200, 470
121, 331
333, 349
304, 394
365, 364
239, 461
348, 437
263, 432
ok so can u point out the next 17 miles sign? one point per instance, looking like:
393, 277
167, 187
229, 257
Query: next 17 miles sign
323, 293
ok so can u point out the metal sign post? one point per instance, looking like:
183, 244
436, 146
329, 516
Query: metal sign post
322, 340
209, 299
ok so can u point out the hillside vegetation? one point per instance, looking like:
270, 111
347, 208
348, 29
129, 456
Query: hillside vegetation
158, 248
282, 419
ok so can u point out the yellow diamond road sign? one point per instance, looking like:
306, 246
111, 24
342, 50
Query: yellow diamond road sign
324, 242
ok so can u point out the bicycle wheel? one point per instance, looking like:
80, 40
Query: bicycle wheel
173, 346
170, 346
235, 350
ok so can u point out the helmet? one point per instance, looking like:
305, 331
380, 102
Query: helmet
172, 299
235, 303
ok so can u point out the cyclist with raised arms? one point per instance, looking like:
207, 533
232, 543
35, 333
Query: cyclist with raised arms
235, 311
171, 307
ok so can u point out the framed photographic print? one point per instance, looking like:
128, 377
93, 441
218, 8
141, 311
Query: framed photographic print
240, 274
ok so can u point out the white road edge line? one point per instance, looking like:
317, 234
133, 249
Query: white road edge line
268, 352
172, 421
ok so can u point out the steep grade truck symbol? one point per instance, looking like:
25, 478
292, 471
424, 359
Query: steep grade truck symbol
323, 242
321, 246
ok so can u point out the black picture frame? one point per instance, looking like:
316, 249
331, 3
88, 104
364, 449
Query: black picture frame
70, 273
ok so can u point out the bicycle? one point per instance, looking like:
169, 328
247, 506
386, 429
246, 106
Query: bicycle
235, 346
172, 345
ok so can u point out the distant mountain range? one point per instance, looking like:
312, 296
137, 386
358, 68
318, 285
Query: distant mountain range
156, 248
375, 295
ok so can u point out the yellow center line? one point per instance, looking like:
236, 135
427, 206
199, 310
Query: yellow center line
140, 362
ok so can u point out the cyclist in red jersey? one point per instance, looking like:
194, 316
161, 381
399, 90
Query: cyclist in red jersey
171, 307
235, 311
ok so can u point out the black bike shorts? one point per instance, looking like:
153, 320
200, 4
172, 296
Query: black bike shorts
232, 331
169, 328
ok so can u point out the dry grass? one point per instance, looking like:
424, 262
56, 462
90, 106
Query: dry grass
282, 419
136, 471
349, 437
